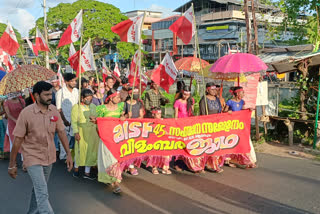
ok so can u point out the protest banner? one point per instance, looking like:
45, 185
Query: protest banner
211, 135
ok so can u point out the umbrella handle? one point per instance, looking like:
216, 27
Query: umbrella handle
32, 97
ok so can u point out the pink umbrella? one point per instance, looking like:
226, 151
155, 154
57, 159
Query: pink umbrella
231, 66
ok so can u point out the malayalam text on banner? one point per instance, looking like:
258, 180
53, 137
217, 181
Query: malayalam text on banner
211, 135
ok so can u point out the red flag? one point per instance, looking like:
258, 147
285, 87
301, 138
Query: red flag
41, 44
129, 30
105, 70
134, 62
184, 26
59, 74
87, 60
165, 74
116, 70
9, 42
32, 47
5, 59
72, 50
73, 32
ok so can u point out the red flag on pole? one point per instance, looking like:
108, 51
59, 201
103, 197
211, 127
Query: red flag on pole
184, 27
135, 61
105, 70
129, 30
87, 60
9, 42
5, 59
72, 50
165, 75
32, 47
116, 70
73, 32
41, 44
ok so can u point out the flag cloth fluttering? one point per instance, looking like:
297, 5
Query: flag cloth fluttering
116, 70
105, 70
87, 59
32, 47
165, 75
73, 32
130, 29
72, 50
41, 44
135, 61
5, 59
184, 27
9, 42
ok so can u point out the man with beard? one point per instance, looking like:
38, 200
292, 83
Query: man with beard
34, 133
66, 98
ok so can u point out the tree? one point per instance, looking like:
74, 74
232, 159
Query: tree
98, 19
302, 18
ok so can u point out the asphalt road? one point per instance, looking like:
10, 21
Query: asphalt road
279, 185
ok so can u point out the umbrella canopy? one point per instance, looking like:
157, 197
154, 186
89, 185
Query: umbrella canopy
191, 64
231, 66
208, 74
24, 77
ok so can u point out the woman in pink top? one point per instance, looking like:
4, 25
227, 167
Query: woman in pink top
12, 107
184, 104
183, 107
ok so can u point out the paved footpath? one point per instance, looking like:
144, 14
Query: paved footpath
279, 185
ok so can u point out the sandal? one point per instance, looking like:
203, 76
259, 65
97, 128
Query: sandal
155, 171
219, 171
166, 171
133, 171
116, 189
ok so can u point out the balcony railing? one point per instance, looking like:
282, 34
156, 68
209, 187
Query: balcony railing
223, 15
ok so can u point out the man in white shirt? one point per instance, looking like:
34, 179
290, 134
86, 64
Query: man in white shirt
66, 97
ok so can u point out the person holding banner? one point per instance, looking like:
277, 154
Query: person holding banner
153, 98
85, 133
183, 107
184, 104
213, 102
98, 95
222, 100
237, 104
137, 106
159, 161
109, 171
125, 88
214, 107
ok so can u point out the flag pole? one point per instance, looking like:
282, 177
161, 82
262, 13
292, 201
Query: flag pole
24, 60
196, 41
79, 68
98, 81
136, 69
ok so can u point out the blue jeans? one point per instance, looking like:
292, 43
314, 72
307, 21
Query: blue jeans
40, 197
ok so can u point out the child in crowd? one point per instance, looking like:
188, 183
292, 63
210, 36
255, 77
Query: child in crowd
159, 161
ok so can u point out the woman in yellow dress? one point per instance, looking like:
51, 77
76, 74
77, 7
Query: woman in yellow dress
109, 171
86, 136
